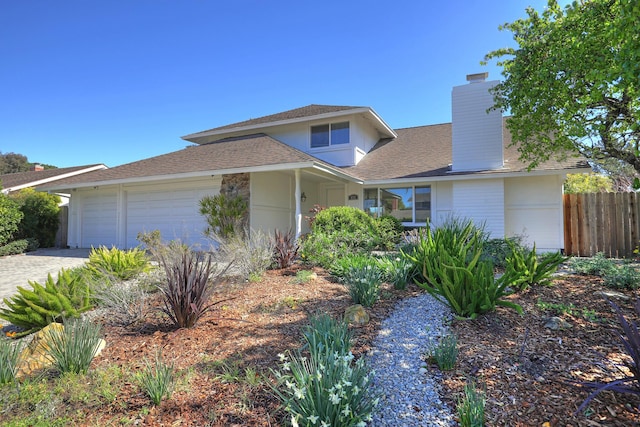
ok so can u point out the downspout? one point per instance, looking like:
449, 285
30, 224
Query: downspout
297, 194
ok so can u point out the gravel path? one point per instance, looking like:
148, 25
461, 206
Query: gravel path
410, 391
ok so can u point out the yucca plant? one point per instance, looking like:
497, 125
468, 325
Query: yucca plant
186, 291
9, 360
34, 309
73, 347
157, 379
116, 263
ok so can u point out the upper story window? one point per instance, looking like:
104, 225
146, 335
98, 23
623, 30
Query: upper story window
330, 134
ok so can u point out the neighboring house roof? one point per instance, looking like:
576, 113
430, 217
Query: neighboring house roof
425, 151
247, 153
16, 181
310, 112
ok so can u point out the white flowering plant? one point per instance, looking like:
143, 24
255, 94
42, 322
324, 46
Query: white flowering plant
326, 335
363, 284
333, 390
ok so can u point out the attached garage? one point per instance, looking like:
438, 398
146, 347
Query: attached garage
98, 219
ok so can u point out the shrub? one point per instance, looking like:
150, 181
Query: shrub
285, 249
363, 284
630, 338
73, 347
622, 277
9, 360
324, 250
471, 407
116, 263
446, 352
127, 302
10, 217
448, 261
598, 265
251, 252
344, 220
157, 379
14, 248
498, 250
40, 220
340, 266
389, 231
225, 215
523, 269
324, 335
398, 272
34, 309
186, 291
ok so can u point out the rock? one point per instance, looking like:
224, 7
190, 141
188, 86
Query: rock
607, 293
34, 357
356, 315
555, 323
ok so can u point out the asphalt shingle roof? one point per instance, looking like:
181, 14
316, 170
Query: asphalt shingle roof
22, 178
425, 151
231, 153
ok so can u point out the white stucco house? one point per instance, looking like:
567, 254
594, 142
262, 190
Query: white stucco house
330, 155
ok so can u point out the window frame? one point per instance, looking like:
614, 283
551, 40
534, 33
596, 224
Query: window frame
412, 223
330, 135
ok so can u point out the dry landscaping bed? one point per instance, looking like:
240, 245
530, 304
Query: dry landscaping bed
225, 361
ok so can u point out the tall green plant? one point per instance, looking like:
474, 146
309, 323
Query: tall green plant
10, 217
117, 263
225, 214
524, 268
40, 220
73, 347
9, 360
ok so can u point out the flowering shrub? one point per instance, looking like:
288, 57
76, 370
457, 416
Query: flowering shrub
332, 391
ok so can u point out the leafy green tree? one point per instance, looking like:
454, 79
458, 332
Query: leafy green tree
12, 163
10, 217
573, 81
587, 183
40, 211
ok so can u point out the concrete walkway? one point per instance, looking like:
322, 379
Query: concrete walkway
18, 270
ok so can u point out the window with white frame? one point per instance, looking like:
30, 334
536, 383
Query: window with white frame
329, 134
411, 205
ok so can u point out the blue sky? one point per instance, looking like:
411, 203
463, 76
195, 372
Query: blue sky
117, 81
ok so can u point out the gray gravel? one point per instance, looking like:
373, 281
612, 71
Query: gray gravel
411, 392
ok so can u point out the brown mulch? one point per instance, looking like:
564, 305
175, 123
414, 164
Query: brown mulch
524, 367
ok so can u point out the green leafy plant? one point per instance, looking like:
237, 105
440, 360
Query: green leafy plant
304, 276
9, 360
327, 335
471, 407
225, 215
73, 347
389, 231
16, 247
363, 284
399, 272
157, 379
285, 249
40, 220
186, 290
524, 268
597, 265
448, 260
445, 353
622, 277
34, 309
116, 263
498, 250
357, 260
10, 217
630, 339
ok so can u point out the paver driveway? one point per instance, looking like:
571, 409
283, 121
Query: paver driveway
17, 270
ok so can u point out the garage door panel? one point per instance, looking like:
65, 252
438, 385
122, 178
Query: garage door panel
99, 214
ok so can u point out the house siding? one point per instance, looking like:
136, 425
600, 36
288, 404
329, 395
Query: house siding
483, 202
272, 205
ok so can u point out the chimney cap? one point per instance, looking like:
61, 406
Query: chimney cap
477, 78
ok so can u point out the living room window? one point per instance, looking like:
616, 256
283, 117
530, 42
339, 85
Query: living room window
329, 134
411, 205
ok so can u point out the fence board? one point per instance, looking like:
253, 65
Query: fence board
601, 222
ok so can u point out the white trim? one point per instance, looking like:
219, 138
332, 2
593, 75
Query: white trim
363, 110
53, 178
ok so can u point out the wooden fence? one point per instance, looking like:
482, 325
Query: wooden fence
601, 222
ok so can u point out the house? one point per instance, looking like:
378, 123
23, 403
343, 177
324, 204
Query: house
285, 163
39, 176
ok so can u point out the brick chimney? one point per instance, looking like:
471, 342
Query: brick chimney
37, 168
476, 133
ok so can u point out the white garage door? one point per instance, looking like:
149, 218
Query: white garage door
98, 220
174, 213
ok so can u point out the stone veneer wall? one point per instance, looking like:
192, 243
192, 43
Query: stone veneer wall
237, 184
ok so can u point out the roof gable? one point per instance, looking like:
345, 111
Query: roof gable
16, 181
